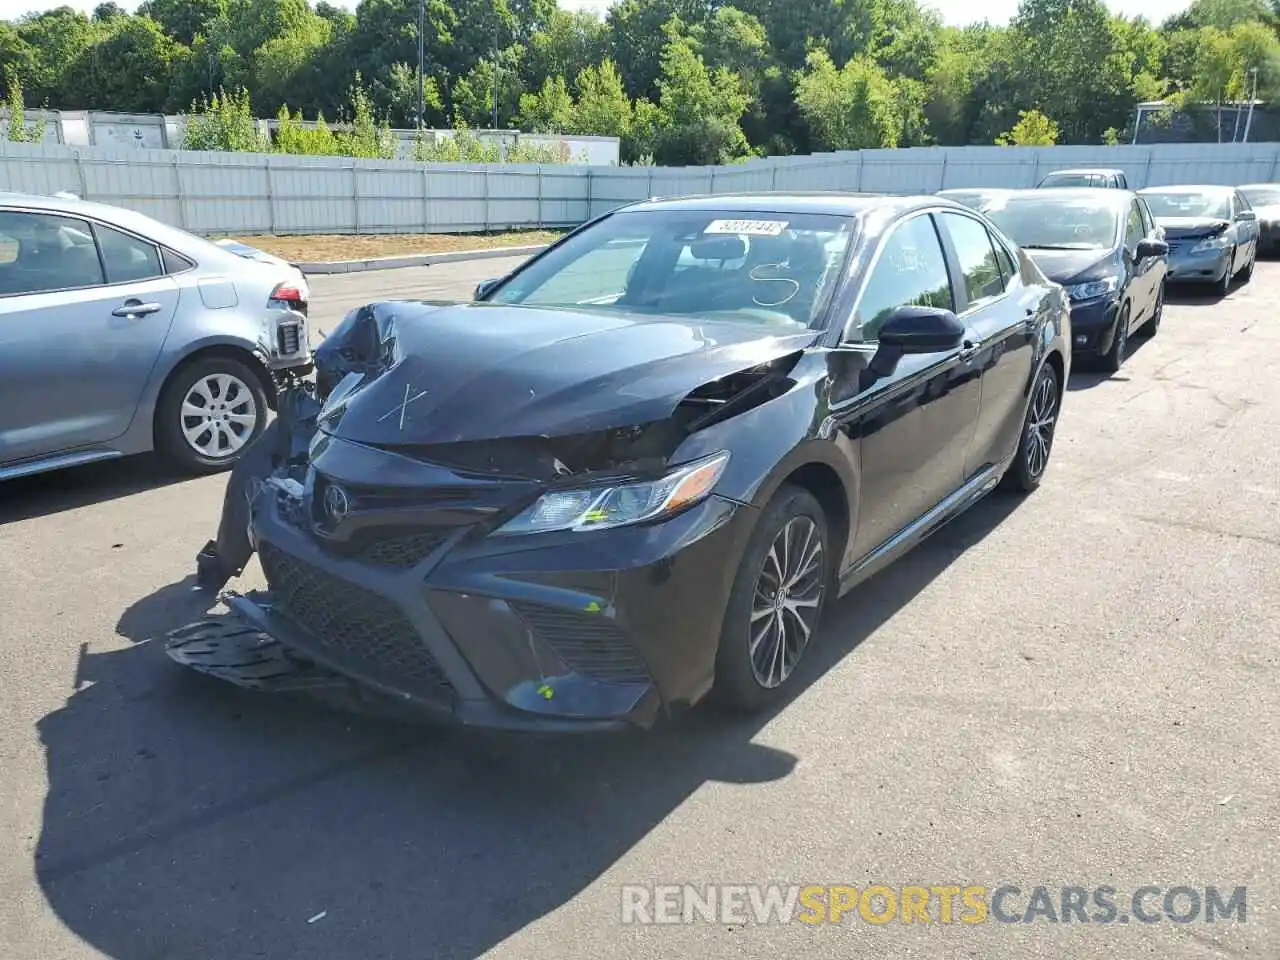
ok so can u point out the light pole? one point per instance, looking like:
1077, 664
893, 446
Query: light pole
1252, 97
422, 30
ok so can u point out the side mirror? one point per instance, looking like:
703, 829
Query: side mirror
921, 330
1247, 216
484, 287
1151, 248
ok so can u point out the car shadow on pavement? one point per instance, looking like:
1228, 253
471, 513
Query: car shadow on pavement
44, 494
185, 817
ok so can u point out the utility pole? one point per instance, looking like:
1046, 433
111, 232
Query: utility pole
497, 75
422, 30
1253, 96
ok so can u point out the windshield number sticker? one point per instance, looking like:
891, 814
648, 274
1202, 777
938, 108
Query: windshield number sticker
750, 228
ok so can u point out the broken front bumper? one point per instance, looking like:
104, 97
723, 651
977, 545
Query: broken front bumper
513, 635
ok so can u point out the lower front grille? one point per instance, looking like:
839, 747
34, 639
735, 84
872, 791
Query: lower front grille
402, 550
352, 622
593, 645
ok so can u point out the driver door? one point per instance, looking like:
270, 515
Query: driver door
911, 427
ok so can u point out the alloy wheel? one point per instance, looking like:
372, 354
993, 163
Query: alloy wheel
1041, 420
218, 415
787, 600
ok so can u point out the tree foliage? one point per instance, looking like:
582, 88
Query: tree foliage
1033, 129
680, 81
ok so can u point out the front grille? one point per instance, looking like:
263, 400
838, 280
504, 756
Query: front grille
288, 339
349, 620
402, 550
593, 645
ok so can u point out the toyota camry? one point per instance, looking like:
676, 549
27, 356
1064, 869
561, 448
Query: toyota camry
633, 472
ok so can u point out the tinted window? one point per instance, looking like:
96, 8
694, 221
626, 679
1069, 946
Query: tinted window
40, 252
911, 271
1133, 229
1148, 225
766, 268
128, 258
1241, 202
175, 262
1122, 181
1007, 267
977, 255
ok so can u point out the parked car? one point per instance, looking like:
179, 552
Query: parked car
119, 334
1212, 233
973, 197
637, 468
1107, 178
1105, 248
1264, 199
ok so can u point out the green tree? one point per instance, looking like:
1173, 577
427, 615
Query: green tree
854, 107
569, 43
223, 122
19, 130
128, 66
184, 20
699, 110
602, 108
1033, 129
550, 110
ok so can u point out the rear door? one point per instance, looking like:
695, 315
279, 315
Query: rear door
1144, 273
84, 312
999, 311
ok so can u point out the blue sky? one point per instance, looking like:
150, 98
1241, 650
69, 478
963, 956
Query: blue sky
958, 12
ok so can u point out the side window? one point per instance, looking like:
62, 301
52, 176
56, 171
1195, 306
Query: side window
175, 262
1122, 181
1148, 224
40, 252
1134, 228
911, 271
127, 258
1242, 202
1008, 268
977, 255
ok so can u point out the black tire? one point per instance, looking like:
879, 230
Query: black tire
1152, 326
1223, 286
1113, 359
248, 399
1035, 446
738, 684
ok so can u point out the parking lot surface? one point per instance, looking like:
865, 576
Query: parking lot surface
1081, 688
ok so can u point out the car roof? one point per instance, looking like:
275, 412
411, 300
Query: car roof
838, 204
122, 217
952, 191
1091, 194
1075, 171
1189, 188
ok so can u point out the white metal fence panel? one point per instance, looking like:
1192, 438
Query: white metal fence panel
219, 193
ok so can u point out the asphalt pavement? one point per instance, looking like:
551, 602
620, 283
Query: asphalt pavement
1077, 689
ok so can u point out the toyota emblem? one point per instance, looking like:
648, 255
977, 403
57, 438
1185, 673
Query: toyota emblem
336, 504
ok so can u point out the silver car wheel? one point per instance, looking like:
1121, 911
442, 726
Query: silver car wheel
218, 416
787, 597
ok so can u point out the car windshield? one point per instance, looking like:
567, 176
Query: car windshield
1072, 180
768, 268
1186, 203
1262, 196
1055, 223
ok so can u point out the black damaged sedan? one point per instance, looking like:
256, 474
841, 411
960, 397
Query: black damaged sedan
633, 472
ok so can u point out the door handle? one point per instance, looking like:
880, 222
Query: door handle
968, 351
131, 309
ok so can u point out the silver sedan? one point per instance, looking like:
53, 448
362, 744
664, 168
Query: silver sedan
119, 335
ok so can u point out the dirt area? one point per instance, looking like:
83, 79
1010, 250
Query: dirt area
317, 248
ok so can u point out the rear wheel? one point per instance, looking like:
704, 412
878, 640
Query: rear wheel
1152, 326
776, 602
1032, 459
209, 413
1113, 360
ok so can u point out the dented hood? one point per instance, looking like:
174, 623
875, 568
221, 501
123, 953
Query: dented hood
464, 372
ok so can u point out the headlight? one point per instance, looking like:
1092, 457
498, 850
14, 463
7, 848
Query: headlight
600, 508
1094, 288
1213, 243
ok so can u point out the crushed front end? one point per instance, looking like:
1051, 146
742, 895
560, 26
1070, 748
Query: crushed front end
405, 569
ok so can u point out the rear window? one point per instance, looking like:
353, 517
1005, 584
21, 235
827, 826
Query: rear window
1189, 204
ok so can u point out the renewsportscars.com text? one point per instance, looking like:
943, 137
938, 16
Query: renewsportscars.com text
946, 903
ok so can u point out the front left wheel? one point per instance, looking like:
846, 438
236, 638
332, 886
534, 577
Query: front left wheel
776, 602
